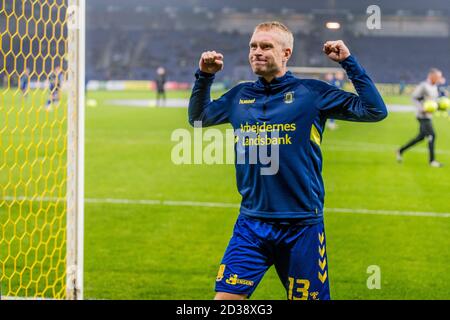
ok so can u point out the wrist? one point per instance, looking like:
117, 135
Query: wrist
346, 59
199, 74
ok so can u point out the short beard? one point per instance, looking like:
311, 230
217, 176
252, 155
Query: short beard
270, 71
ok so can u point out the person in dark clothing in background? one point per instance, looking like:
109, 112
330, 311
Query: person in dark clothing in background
160, 90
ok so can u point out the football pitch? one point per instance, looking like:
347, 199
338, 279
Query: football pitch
156, 230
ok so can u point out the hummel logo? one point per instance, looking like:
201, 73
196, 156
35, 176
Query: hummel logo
247, 101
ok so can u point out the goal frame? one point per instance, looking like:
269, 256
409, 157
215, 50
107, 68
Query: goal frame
76, 25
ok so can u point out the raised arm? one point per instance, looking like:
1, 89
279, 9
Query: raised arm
366, 106
201, 108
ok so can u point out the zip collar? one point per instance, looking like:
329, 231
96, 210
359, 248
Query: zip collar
287, 77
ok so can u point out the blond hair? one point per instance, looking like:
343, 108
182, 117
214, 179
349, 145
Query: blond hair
286, 35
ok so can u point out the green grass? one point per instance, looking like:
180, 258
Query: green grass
136, 251
32, 165
403, 99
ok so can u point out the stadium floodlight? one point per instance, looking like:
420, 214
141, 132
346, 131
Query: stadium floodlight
42, 149
333, 25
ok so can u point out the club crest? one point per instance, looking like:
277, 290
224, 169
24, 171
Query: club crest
289, 97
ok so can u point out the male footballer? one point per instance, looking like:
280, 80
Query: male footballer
426, 90
280, 221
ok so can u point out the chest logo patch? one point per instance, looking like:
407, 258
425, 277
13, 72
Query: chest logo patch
289, 97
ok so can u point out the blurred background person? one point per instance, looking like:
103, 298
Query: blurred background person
24, 82
425, 92
55, 81
336, 80
442, 89
160, 87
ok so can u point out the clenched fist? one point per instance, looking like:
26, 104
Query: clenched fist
336, 50
211, 62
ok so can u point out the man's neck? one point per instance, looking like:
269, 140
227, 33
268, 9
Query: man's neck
269, 78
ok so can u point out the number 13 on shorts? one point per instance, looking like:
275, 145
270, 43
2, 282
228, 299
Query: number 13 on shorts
308, 276
301, 289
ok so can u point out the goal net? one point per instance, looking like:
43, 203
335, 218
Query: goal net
41, 148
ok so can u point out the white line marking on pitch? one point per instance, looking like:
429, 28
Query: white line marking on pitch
346, 145
231, 205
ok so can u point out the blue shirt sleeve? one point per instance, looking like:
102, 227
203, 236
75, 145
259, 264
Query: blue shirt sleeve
201, 108
366, 106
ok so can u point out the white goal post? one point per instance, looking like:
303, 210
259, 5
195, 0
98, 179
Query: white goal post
75, 150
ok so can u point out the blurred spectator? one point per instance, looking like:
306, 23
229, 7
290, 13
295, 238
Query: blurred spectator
160, 87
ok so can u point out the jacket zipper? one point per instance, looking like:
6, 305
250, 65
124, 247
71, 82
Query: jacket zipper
267, 92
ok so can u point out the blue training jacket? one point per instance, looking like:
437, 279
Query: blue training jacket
297, 110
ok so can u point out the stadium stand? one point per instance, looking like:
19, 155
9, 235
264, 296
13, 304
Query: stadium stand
132, 39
